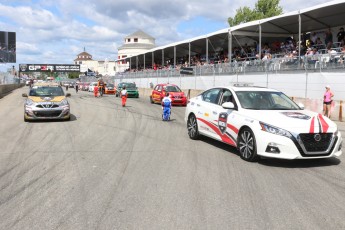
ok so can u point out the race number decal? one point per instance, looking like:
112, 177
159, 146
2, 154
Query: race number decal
222, 121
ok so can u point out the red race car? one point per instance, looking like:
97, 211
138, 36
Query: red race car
177, 96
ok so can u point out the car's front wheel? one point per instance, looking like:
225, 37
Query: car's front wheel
247, 145
192, 126
151, 100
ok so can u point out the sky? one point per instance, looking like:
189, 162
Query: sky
56, 31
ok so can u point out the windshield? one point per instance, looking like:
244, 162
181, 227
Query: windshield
172, 88
46, 91
110, 85
263, 100
128, 85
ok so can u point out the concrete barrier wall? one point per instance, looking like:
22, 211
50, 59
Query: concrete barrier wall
5, 89
315, 105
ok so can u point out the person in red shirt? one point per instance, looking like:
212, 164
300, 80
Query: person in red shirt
95, 91
124, 95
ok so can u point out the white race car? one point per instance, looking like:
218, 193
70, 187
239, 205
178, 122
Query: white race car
262, 122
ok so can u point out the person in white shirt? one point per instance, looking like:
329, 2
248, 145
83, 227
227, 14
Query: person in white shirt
124, 95
166, 106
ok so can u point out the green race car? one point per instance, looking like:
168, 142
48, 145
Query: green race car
131, 88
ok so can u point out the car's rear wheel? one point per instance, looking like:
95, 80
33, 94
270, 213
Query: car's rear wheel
247, 145
192, 126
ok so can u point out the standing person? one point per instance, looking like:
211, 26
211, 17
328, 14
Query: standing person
95, 90
166, 106
341, 34
76, 87
327, 101
124, 96
100, 85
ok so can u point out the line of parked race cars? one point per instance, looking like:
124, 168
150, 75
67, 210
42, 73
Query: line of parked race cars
258, 121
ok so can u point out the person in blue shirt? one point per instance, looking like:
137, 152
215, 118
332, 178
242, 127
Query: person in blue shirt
166, 106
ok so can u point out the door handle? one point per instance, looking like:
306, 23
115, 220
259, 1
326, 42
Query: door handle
197, 104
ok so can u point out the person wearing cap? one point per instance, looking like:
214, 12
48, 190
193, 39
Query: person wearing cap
327, 101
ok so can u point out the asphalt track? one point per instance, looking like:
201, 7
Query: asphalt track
123, 168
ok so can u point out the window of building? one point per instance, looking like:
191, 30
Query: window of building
128, 40
135, 39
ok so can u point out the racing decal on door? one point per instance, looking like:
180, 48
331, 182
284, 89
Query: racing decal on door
222, 121
227, 137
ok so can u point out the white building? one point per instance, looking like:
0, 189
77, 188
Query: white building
135, 43
86, 62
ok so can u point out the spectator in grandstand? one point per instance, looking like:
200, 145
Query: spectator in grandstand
318, 41
313, 38
341, 35
328, 37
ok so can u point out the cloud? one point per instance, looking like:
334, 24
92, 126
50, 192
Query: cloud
50, 30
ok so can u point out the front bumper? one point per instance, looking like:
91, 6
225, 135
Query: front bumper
293, 148
181, 101
35, 113
133, 94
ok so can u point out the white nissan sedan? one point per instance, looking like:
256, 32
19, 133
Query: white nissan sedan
262, 122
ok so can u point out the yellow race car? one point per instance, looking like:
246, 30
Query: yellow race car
46, 101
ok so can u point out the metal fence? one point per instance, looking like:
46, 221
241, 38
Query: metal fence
314, 63
7, 78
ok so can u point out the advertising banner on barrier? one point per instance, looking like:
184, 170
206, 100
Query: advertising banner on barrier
48, 68
187, 70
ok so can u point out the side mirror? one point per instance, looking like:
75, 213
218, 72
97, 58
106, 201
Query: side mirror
301, 105
68, 94
228, 105
24, 95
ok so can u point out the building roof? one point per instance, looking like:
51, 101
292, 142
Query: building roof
85, 55
136, 46
140, 34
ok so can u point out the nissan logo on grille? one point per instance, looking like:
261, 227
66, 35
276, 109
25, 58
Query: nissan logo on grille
317, 137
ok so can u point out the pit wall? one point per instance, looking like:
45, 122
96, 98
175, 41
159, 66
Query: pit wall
6, 89
315, 105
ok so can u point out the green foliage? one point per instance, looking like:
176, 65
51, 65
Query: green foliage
73, 75
263, 9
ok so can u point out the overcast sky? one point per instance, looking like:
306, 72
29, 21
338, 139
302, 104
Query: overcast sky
55, 31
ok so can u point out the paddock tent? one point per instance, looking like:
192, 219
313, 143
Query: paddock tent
320, 17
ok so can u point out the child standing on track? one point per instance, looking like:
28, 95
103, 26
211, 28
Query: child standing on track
166, 106
124, 95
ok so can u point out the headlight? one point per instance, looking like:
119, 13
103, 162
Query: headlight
336, 132
63, 102
29, 102
275, 130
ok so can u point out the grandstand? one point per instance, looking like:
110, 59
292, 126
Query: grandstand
283, 37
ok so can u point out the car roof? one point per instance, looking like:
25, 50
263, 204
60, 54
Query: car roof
46, 84
166, 84
247, 88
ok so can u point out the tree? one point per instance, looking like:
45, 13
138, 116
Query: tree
73, 75
263, 9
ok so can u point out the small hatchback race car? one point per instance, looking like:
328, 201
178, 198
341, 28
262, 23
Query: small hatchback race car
262, 122
175, 93
109, 89
131, 88
46, 101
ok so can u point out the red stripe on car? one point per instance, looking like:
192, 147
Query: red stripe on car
324, 124
311, 130
225, 138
